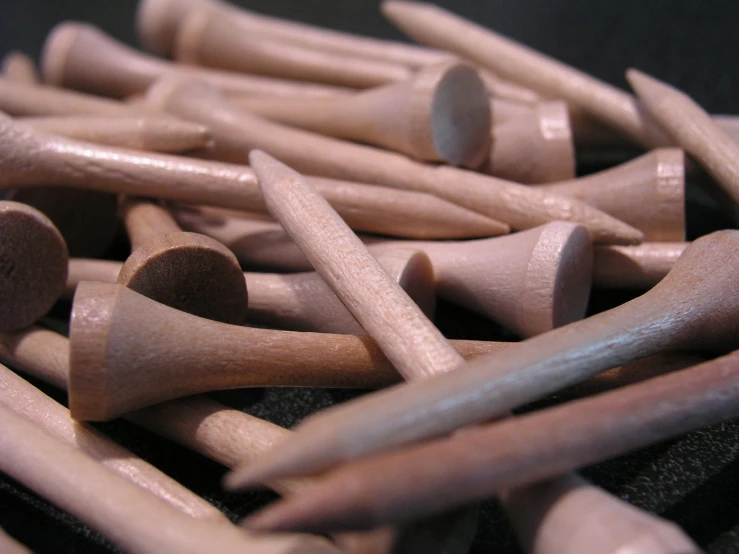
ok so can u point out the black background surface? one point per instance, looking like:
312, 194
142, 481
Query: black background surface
694, 480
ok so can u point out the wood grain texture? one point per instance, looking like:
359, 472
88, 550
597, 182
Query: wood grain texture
690, 308
304, 302
157, 22
404, 213
131, 518
635, 267
633, 372
33, 265
80, 56
442, 113
692, 128
19, 68
175, 354
405, 335
647, 193
429, 24
210, 38
29, 158
187, 271
531, 143
237, 132
22, 398
530, 282
149, 132
479, 462
229, 436
190, 272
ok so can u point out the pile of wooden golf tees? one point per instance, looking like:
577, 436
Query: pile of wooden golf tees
354, 180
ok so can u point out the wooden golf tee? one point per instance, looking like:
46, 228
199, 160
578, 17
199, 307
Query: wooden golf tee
385, 211
648, 193
690, 308
149, 132
237, 132
25, 400
131, 518
442, 113
157, 22
530, 282
29, 158
19, 68
10, 546
429, 24
80, 56
85, 269
522, 450
230, 436
411, 342
327, 242
188, 271
258, 244
33, 265
634, 267
206, 37
595, 521
264, 245
184, 354
530, 143
302, 301
692, 129
383, 309
23, 99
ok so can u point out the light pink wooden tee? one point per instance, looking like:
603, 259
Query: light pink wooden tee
647, 192
210, 38
24, 399
80, 56
237, 132
693, 129
690, 308
157, 22
530, 282
430, 24
130, 517
30, 158
531, 143
441, 113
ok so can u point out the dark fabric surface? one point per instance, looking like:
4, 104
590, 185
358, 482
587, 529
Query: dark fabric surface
692, 480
